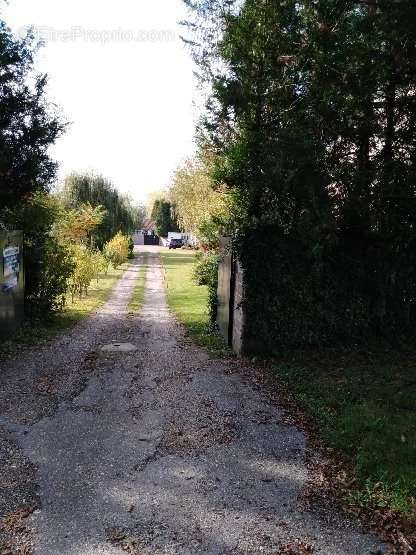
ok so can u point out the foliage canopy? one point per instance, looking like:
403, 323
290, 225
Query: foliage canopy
312, 117
163, 215
121, 214
201, 208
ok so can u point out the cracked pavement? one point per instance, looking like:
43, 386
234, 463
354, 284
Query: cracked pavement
162, 450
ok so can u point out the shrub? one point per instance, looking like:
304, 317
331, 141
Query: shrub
209, 233
101, 264
49, 265
47, 261
206, 273
84, 272
117, 250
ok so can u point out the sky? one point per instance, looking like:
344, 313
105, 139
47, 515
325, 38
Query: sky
123, 79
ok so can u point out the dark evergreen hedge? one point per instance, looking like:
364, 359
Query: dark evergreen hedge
294, 299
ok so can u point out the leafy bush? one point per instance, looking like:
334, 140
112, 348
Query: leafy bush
206, 273
209, 233
101, 264
84, 272
117, 250
47, 261
49, 265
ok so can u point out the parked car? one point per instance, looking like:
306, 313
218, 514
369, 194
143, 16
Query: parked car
175, 244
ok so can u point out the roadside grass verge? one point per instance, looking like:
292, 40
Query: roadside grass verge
189, 301
136, 301
34, 331
364, 405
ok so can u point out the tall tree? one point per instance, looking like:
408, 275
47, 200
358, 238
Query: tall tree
199, 204
312, 116
29, 124
164, 218
121, 213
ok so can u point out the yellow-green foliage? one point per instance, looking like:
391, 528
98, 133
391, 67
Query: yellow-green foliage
74, 229
85, 270
77, 225
196, 200
117, 250
101, 264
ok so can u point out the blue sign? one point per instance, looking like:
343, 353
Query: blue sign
11, 268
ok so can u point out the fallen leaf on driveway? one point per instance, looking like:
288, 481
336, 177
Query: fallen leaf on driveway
297, 548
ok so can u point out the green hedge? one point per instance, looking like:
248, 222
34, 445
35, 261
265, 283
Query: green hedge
294, 299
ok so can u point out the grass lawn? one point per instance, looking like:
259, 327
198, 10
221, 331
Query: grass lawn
98, 294
136, 300
189, 301
364, 405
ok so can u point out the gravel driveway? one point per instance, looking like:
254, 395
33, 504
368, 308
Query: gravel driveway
153, 451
